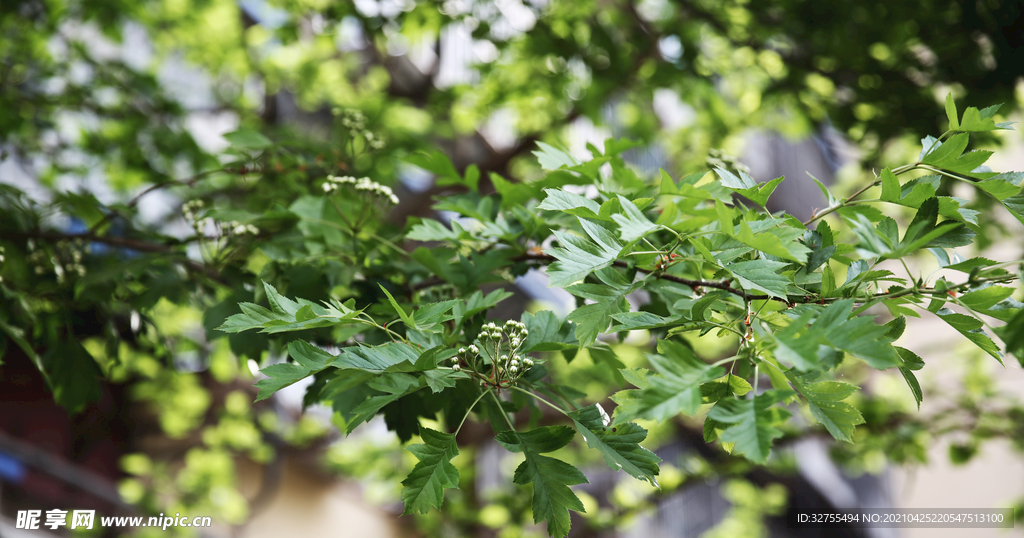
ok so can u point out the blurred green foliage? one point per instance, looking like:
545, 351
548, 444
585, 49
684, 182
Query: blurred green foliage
105, 105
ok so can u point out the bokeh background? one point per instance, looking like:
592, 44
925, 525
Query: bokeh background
122, 398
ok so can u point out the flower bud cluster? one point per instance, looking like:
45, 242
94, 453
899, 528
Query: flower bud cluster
237, 228
500, 349
191, 211
361, 185
355, 122
65, 259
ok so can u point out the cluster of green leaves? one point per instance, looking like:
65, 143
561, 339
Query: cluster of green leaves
796, 301
93, 303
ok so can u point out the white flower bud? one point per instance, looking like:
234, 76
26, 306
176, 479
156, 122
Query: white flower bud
456, 368
474, 350
462, 350
513, 369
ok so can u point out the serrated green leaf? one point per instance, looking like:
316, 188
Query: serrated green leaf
377, 359
673, 390
761, 275
574, 204
279, 376
424, 488
724, 387
432, 230
632, 321
985, 298
1015, 205
951, 114
779, 242
946, 153
825, 399
579, 257
890, 186
633, 225
546, 333
552, 158
551, 478
971, 264
752, 424
1012, 335
593, 319
798, 344
745, 185
970, 327
911, 362
619, 444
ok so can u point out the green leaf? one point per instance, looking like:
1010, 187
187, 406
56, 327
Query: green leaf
1012, 335
593, 319
632, 321
951, 115
761, 275
724, 387
388, 388
798, 344
985, 298
279, 376
859, 336
970, 327
424, 487
546, 333
975, 122
309, 360
947, 153
967, 266
673, 390
752, 424
309, 356
439, 164
438, 379
377, 359
432, 230
406, 318
825, 399
633, 225
745, 185
781, 242
890, 186
574, 204
247, 139
551, 478
72, 375
476, 303
552, 158
1015, 205
911, 362
620, 444
429, 316
579, 257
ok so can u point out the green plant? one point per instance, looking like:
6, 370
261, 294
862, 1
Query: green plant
794, 300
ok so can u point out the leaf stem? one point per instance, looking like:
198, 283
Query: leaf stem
504, 415
470, 410
541, 399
